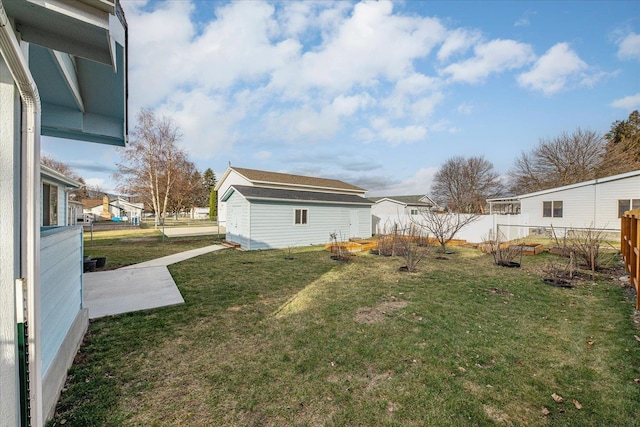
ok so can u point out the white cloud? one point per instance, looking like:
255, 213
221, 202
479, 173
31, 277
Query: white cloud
395, 135
458, 41
629, 46
419, 183
628, 102
522, 22
554, 70
371, 44
465, 108
207, 122
493, 57
153, 74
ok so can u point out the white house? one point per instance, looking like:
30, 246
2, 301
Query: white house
55, 207
282, 210
597, 203
390, 211
106, 209
63, 73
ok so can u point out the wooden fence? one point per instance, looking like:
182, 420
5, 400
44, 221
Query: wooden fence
630, 244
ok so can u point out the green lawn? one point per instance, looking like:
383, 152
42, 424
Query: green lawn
266, 341
131, 246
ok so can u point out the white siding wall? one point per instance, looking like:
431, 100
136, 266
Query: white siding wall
232, 179
607, 196
587, 206
61, 287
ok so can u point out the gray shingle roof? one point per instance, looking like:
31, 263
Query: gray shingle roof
285, 178
262, 193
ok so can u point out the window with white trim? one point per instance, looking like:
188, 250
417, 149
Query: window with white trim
301, 216
49, 204
414, 211
552, 209
627, 205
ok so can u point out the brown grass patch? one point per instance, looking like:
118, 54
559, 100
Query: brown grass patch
369, 315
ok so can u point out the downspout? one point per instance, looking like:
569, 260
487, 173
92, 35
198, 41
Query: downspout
30, 193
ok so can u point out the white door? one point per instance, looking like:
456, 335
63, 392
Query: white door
354, 223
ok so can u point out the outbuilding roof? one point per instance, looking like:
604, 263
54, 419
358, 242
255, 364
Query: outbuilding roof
279, 194
265, 178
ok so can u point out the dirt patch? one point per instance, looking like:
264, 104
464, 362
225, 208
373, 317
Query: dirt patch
369, 315
496, 414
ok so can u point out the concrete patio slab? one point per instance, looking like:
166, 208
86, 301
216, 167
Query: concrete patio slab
120, 291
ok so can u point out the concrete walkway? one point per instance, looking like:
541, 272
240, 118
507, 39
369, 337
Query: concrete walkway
135, 287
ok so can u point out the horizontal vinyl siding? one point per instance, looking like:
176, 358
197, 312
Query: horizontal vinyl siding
238, 222
61, 287
608, 195
273, 224
587, 206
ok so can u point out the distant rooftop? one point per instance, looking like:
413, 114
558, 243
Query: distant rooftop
409, 200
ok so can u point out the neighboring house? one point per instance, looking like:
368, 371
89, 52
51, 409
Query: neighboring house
122, 208
63, 73
92, 209
263, 210
106, 210
598, 203
391, 211
55, 206
200, 213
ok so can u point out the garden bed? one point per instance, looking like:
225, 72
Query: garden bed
528, 249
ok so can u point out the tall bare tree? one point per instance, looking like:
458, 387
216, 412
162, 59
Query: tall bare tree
152, 161
464, 184
564, 160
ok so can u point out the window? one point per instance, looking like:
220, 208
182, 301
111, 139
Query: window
49, 204
552, 209
301, 216
626, 205
414, 211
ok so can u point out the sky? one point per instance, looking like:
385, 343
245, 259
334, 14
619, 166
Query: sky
377, 94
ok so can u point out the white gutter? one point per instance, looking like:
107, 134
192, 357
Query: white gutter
30, 194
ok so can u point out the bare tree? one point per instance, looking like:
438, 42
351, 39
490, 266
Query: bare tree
59, 166
152, 161
464, 184
443, 226
187, 188
622, 151
564, 160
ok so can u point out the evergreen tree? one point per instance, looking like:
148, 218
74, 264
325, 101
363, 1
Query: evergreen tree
213, 204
